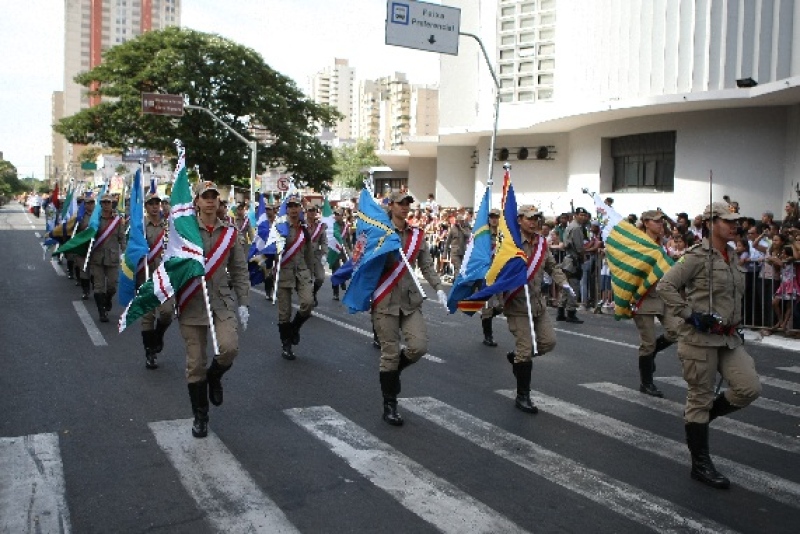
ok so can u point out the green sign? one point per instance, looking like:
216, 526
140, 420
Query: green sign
88, 166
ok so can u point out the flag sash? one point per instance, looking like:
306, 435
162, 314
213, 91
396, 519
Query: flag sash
221, 246
107, 232
316, 231
155, 250
392, 277
534, 263
294, 247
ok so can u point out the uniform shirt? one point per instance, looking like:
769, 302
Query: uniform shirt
301, 262
518, 305
231, 277
405, 296
339, 229
109, 251
691, 274
244, 230
319, 244
151, 233
457, 239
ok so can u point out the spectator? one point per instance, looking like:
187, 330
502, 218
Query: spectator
792, 217
676, 247
789, 288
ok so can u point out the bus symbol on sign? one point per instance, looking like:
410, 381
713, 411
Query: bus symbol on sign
400, 13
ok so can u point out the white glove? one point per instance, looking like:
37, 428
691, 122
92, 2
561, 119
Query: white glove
442, 297
244, 316
569, 289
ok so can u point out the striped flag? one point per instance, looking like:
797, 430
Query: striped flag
183, 260
635, 261
80, 243
137, 248
335, 247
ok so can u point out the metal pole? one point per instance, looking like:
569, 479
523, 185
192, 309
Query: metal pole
253, 154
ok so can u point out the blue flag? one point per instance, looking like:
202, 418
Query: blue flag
137, 248
477, 259
375, 237
343, 273
260, 255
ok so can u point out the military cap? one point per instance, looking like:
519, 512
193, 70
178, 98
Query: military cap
107, 198
530, 213
652, 215
166, 199
721, 210
495, 212
399, 196
312, 207
581, 211
294, 198
152, 196
204, 187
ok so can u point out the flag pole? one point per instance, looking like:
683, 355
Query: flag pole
530, 317
88, 253
411, 272
144, 218
210, 315
277, 278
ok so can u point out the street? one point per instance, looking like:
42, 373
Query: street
92, 442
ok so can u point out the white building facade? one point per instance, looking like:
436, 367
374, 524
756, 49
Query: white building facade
640, 101
334, 86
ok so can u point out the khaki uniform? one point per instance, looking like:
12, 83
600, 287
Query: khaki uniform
296, 275
232, 277
456, 243
244, 233
104, 259
338, 229
703, 354
79, 261
165, 312
650, 308
401, 310
319, 245
572, 266
516, 310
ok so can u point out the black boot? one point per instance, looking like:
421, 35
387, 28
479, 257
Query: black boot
375, 341
317, 285
561, 315
510, 356
721, 407
214, 377
100, 300
335, 292
646, 375
285, 330
390, 387
702, 467
523, 401
110, 300
198, 394
297, 323
269, 286
85, 288
70, 269
572, 317
488, 339
149, 350
405, 361
161, 329
661, 344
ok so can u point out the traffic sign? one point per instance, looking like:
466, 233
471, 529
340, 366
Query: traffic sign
283, 184
423, 26
161, 104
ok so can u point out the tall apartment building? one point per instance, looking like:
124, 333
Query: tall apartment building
334, 85
92, 27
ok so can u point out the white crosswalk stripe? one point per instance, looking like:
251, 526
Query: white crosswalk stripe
428, 496
761, 402
220, 486
32, 485
767, 484
731, 426
792, 369
634, 504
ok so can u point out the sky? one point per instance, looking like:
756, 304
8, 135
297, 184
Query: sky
295, 37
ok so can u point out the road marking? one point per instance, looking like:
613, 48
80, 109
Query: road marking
37, 234
794, 369
57, 267
794, 387
94, 333
433, 499
767, 484
350, 327
634, 504
731, 426
32, 485
761, 402
595, 338
224, 492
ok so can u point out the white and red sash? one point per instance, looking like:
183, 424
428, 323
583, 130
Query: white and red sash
534, 263
294, 248
155, 251
316, 232
107, 232
392, 277
214, 260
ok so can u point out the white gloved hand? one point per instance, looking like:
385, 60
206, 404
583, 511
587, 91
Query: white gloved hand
442, 297
569, 289
244, 316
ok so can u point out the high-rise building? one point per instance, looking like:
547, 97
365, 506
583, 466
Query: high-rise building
92, 27
334, 86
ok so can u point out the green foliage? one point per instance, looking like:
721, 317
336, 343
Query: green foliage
352, 159
230, 80
10, 183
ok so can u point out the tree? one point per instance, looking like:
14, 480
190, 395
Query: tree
9, 181
352, 159
227, 78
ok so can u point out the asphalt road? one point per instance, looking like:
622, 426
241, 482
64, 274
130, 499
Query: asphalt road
91, 441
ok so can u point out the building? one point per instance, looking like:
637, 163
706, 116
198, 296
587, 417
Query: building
334, 86
641, 101
90, 28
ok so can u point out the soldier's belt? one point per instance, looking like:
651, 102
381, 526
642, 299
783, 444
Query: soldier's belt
723, 330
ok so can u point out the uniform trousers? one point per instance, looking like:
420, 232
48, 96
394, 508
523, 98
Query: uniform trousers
319, 271
569, 300
388, 328
163, 313
700, 366
646, 324
305, 294
456, 261
104, 278
493, 307
196, 337
80, 261
520, 328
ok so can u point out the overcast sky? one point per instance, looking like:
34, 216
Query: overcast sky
295, 37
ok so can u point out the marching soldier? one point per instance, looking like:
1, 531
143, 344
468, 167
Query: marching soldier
269, 275
456, 243
155, 322
83, 276
318, 240
494, 306
228, 264
648, 308
708, 341
398, 306
339, 229
572, 266
108, 246
243, 228
540, 260
296, 263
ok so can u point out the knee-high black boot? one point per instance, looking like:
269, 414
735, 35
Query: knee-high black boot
198, 394
488, 338
149, 349
646, 375
110, 300
317, 285
70, 269
721, 407
85, 288
702, 467
561, 316
285, 330
161, 329
661, 344
269, 287
214, 378
296, 324
390, 388
522, 371
335, 292
100, 300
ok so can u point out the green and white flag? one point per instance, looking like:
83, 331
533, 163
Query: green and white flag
183, 260
334, 239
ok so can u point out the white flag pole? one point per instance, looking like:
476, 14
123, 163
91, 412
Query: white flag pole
530, 318
411, 271
210, 315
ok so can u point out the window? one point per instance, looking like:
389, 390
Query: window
508, 40
507, 26
644, 162
508, 11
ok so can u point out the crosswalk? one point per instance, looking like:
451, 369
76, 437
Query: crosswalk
33, 492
